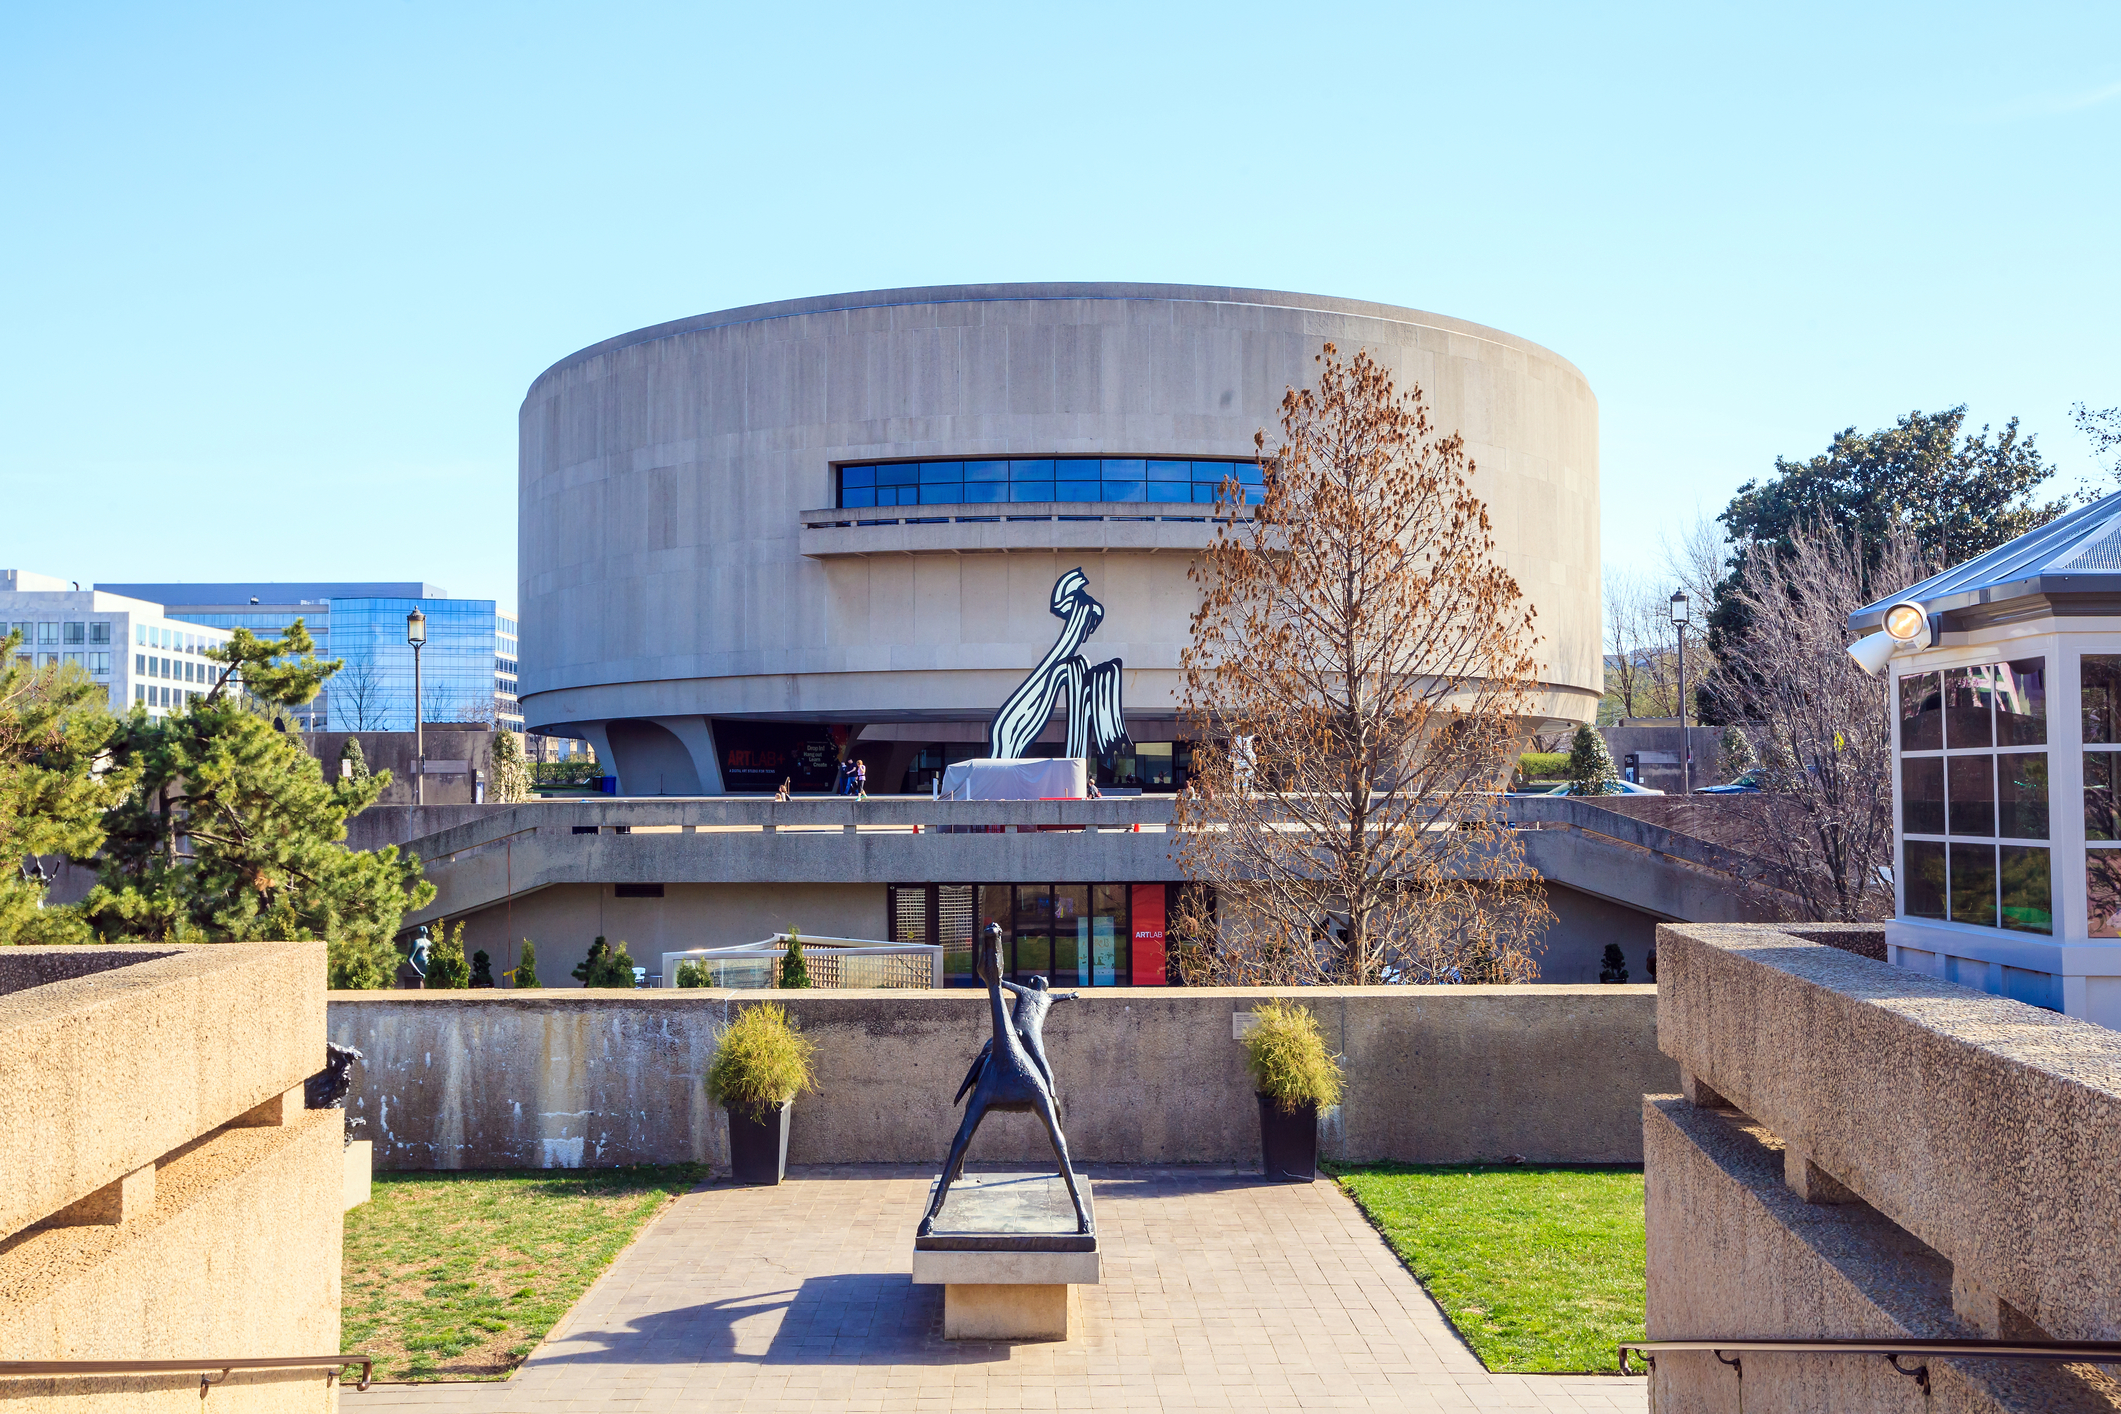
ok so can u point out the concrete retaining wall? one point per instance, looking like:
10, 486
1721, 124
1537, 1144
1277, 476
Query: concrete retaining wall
1435, 1075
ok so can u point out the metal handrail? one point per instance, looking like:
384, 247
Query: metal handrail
177, 1367
2088, 1352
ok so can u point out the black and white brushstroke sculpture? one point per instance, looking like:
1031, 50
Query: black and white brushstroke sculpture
1094, 723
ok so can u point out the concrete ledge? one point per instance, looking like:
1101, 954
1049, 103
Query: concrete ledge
561, 1079
1733, 1251
1006, 1268
236, 1255
1988, 1129
108, 1070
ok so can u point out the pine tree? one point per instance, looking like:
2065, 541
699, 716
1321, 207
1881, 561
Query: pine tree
511, 772
56, 786
481, 969
694, 974
447, 971
231, 834
794, 973
526, 973
1612, 965
1591, 770
353, 765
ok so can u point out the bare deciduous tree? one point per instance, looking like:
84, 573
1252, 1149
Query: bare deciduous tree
1823, 741
358, 697
1359, 670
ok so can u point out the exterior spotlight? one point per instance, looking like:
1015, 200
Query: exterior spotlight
1907, 628
1909, 625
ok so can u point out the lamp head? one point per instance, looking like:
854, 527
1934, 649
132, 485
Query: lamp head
416, 628
1909, 625
1679, 607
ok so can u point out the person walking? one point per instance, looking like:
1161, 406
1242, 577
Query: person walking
861, 780
782, 793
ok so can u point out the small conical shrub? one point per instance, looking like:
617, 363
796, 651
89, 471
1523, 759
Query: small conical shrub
1613, 965
1734, 753
351, 760
1591, 770
446, 968
526, 973
794, 973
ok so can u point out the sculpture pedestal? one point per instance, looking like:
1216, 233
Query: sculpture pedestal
1006, 1253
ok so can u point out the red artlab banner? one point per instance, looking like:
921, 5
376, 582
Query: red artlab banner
1149, 935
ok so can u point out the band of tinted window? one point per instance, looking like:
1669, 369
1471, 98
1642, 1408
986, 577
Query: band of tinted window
1143, 480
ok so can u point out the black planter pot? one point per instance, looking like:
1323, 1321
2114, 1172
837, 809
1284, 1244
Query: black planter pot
758, 1145
1288, 1141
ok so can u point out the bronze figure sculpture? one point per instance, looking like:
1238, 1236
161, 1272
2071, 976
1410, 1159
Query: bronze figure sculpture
1029, 1019
1008, 1078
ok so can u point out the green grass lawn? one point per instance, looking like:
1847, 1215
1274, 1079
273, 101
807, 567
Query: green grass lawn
1540, 1267
460, 1275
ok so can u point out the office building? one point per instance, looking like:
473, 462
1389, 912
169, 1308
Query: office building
136, 648
467, 670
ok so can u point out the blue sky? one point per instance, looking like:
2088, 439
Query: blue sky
276, 277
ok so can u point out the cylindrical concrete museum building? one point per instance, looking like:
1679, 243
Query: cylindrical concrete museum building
757, 541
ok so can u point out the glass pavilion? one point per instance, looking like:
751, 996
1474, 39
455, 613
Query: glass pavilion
2007, 766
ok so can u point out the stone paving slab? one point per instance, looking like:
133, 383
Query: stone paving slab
1220, 1292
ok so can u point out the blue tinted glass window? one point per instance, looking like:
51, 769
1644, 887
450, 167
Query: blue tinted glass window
1030, 490
1167, 493
1251, 473
1075, 490
1123, 491
857, 476
905, 474
1210, 472
986, 471
1078, 469
945, 495
1203, 494
1124, 469
982, 491
864, 497
1031, 471
1170, 471
1255, 496
933, 473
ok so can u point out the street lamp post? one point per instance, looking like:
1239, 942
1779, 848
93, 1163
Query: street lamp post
416, 635
1686, 757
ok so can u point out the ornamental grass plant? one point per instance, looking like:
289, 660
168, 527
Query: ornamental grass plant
1288, 1060
761, 1060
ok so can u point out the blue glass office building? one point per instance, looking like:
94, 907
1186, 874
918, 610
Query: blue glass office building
467, 670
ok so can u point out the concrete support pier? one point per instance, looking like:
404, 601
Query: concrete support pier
1006, 1253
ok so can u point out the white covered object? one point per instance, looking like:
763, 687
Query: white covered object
1017, 778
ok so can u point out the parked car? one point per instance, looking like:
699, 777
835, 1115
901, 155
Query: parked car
1750, 783
1613, 788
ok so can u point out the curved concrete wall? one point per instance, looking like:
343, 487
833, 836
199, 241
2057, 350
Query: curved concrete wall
664, 474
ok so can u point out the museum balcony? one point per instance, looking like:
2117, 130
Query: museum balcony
1087, 526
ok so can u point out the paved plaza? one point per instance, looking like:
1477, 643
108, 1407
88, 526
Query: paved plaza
1219, 1292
